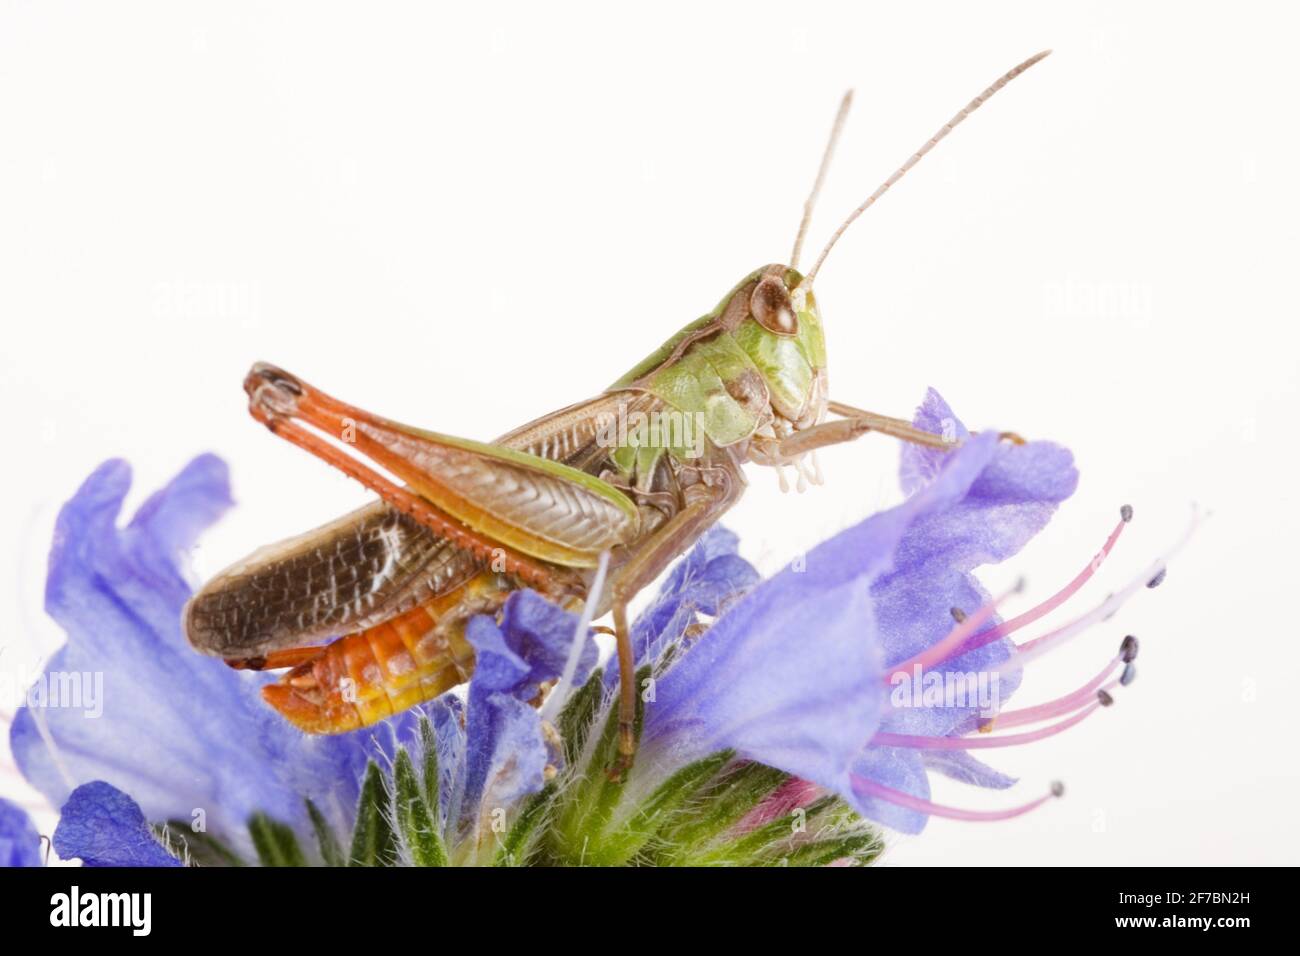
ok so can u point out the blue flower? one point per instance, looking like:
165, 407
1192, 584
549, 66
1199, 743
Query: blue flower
192, 742
189, 741
791, 675
797, 674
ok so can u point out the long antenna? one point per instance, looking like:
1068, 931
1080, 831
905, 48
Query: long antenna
811, 201
948, 127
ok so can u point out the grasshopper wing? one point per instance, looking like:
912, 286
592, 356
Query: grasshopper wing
372, 564
345, 576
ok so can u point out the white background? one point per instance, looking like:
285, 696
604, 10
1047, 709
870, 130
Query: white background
464, 216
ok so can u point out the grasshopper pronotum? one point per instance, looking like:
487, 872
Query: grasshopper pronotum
543, 506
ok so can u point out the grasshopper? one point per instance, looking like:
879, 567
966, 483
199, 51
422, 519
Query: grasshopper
554, 505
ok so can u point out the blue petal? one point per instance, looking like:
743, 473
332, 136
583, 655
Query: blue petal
104, 827
714, 543
1015, 495
497, 666
505, 757
541, 634
503, 734
785, 677
179, 731
790, 675
528, 648
919, 465
709, 578
1012, 498
900, 769
915, 613
505, 749
959, 765
20, 844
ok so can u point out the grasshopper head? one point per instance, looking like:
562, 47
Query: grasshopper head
779, 385
782, 334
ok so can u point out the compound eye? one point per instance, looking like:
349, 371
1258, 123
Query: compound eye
772, 308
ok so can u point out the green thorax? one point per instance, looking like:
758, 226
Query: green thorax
727, 376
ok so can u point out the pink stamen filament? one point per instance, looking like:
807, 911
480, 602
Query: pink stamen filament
1024, 653
980, 742
937, 653
869, 788
1053, 602
1040, 645
1061, 705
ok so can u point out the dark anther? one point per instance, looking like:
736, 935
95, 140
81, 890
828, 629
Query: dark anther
958, 614
1128, 649
1104, 698
1126, 512
1158, 579
1058, 788
1129, 676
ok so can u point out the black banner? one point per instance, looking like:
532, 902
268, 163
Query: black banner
940, 908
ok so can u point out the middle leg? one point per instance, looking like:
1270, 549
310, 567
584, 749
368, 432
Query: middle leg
646, 564
856, 422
